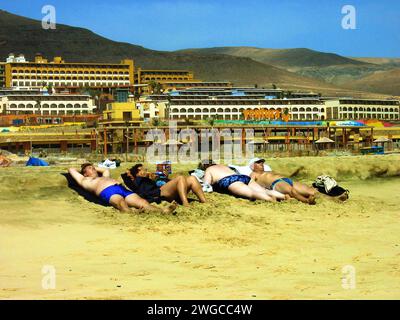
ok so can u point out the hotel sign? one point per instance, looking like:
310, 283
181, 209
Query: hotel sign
265, 114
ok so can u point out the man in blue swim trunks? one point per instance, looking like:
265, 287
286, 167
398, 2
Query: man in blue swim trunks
99, 182
277, 182
225, 179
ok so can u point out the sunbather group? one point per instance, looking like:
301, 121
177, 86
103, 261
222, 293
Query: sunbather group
143, 192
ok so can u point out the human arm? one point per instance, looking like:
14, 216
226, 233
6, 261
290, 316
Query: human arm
104, 172
76, 175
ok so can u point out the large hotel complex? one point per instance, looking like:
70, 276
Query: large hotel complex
58, 88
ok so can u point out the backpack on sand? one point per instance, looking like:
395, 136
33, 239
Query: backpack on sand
327, 185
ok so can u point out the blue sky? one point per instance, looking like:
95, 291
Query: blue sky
178, 24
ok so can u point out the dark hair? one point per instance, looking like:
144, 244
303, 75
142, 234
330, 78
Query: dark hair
204, 164
84, 166
135, 169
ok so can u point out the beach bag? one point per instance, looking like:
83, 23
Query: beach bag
327, 185
107, 164
36, 162
199, 175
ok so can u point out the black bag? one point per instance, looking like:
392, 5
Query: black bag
334, 192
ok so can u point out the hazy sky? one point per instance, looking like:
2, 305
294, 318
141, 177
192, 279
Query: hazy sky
178, 24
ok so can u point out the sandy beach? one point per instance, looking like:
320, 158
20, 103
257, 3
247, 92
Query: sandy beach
226, 249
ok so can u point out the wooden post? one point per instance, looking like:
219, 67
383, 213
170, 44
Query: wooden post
63, 146
127, 144
105, 142
93, 145
243, 140
135, 140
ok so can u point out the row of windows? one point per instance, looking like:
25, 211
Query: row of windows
42, 71
97, 77
166, 73
198, 110
247, 102
355, 109
369, 116
370, 102
164, 78
47, 106
77, 84
240, 116
53, 112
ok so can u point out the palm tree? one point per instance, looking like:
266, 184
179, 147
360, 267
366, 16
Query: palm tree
155, 87
211, 121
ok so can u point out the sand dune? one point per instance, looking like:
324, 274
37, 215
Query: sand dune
227, 248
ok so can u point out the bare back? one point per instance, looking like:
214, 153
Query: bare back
217, 172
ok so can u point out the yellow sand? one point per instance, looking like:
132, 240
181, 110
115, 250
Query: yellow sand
225, 249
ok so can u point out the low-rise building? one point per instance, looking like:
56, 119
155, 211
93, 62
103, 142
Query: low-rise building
121, 112
153, 108
234, 109
358, 109
16, 103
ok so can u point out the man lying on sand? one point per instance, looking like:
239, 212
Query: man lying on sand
139, 180
226, 180
277, 182
99, 182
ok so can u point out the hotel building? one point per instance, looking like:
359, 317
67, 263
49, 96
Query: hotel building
233, 108
35, 102
61, 74
353, 109
174, 80
230, 104
2, 74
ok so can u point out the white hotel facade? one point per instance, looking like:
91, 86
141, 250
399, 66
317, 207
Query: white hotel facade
41, 104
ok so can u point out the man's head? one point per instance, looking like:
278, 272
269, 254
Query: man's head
257, 165
88, 170
138, 170
204, 164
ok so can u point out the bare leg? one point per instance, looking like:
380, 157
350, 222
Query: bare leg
176, 189
243, 190
272, 193
286, 188
195, 186
119, 203
343, 197
137, 202
304, 189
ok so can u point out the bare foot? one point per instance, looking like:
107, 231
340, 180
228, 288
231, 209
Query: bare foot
343, 197
311, 200
134, 210
170, 208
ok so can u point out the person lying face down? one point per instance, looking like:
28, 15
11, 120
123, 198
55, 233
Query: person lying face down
139, 180
225, 180
276, 182
99, 182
